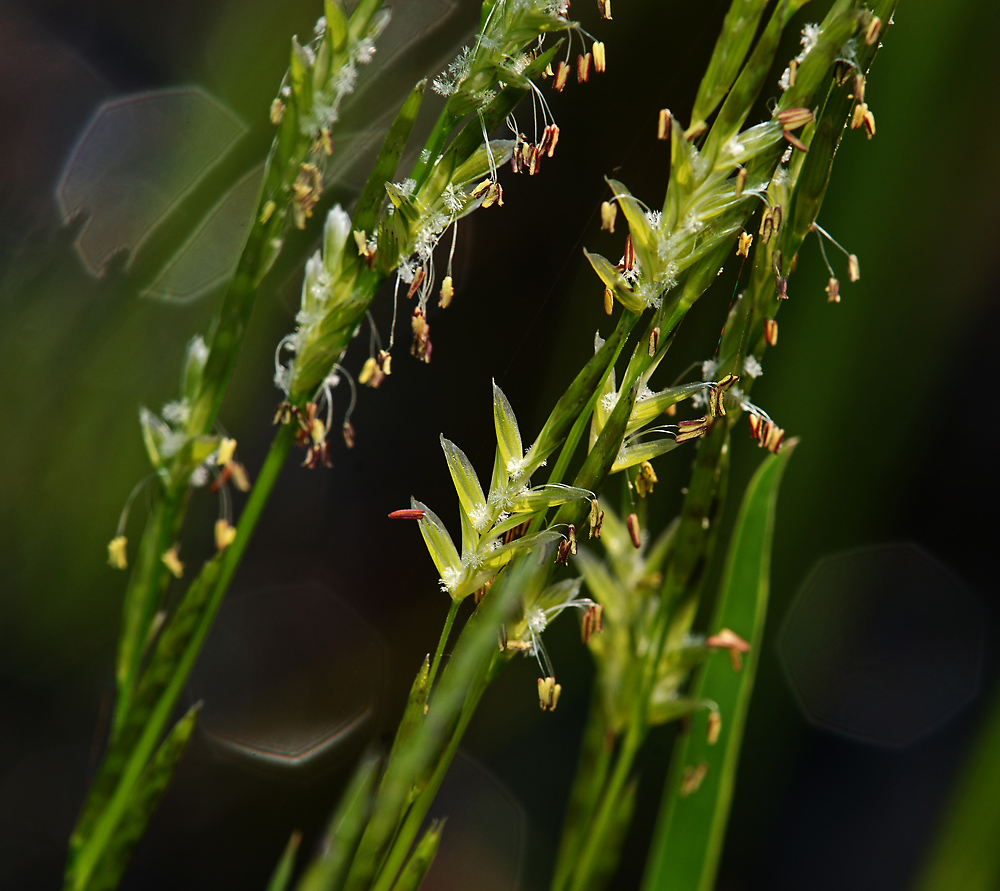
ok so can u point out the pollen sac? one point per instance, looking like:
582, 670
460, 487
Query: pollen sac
741, 180
716, 402
869, 122
604, 8
549, 140
326, 141
793, 118
173, 563
562, 75
632, 522
654, 342
729, 640
277, 111
771, 332
306, 191
596, 519
609, 211
781, 286
858, 115
859, 87
583, 68
348, 432
494, 195
447, 292
628, 258
418, 279
609, 301
548, 693
794, 141
743, 248
421, 346
663, 125
646, 479
600, 59
692, 778
853, 268
833, 289
407, 513
691, 429
714, 727
768, 434
225, 534
225, 453
534, 160
873, 30
567, 546
375, 370
116, 552
593, 622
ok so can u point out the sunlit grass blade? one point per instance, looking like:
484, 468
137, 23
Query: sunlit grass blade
731, 48
344, 832
420, 860
688, 839
282, 875
964, 853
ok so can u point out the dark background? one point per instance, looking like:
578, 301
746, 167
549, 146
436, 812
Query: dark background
890, 391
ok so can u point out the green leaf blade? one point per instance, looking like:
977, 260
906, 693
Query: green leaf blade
688, 839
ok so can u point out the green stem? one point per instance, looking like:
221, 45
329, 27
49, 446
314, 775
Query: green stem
145, 588
415, 817
442, 642
596, 837
106, 826
591, 774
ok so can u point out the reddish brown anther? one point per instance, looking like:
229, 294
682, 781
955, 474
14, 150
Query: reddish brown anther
596, 519
418, 279
549, 140
771, 332
535, 160
593, 622
793, 118
407, 513
654, 342
562, 75
348, 431
795, 141
691, 429
633, 530
628, 259
729, 640
421, 346
663, 124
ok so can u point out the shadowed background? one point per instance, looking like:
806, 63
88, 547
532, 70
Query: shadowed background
881, 648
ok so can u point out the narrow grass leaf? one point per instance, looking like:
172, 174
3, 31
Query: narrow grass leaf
282, 875
373, 193
343, 834
688, 839
731, 49
142, 802
420, 860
